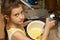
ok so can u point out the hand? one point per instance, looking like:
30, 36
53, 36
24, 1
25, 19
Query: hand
50, 24
26, 23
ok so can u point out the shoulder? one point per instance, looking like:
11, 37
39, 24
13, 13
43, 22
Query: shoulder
19, 36
16, 34
13, 30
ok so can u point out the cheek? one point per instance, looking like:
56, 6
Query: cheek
14, 19
23, 16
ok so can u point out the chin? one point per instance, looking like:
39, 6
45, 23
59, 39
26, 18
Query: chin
21, 23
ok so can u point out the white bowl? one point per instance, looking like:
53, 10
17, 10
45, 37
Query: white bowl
35, 29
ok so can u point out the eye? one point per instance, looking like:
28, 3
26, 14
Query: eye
17, 14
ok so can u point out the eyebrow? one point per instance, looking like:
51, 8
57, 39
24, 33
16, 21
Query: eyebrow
22, 11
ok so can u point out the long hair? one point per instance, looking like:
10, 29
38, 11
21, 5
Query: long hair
6, 7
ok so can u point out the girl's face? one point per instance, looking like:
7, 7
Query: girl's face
17, 15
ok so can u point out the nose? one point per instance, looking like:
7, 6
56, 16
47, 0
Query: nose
21, 16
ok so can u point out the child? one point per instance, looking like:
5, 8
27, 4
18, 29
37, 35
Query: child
13, 13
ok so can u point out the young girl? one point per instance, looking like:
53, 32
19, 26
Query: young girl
13, 13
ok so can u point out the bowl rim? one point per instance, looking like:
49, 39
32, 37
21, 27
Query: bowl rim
39, 21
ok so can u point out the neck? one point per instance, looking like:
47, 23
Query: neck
12, 25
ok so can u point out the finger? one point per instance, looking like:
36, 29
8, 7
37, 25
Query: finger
27, 22
47, 20
53, 22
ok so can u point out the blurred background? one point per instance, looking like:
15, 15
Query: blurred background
42, 9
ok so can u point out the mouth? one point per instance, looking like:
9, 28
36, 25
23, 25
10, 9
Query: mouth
21, 21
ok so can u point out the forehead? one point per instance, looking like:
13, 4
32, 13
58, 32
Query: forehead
17, 9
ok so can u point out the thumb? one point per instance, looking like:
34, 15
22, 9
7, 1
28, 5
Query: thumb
47, 20
27, 21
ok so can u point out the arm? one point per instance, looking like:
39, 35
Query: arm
19, 36
45, 34
48, 26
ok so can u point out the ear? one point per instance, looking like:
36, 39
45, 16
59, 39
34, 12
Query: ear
6, 17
